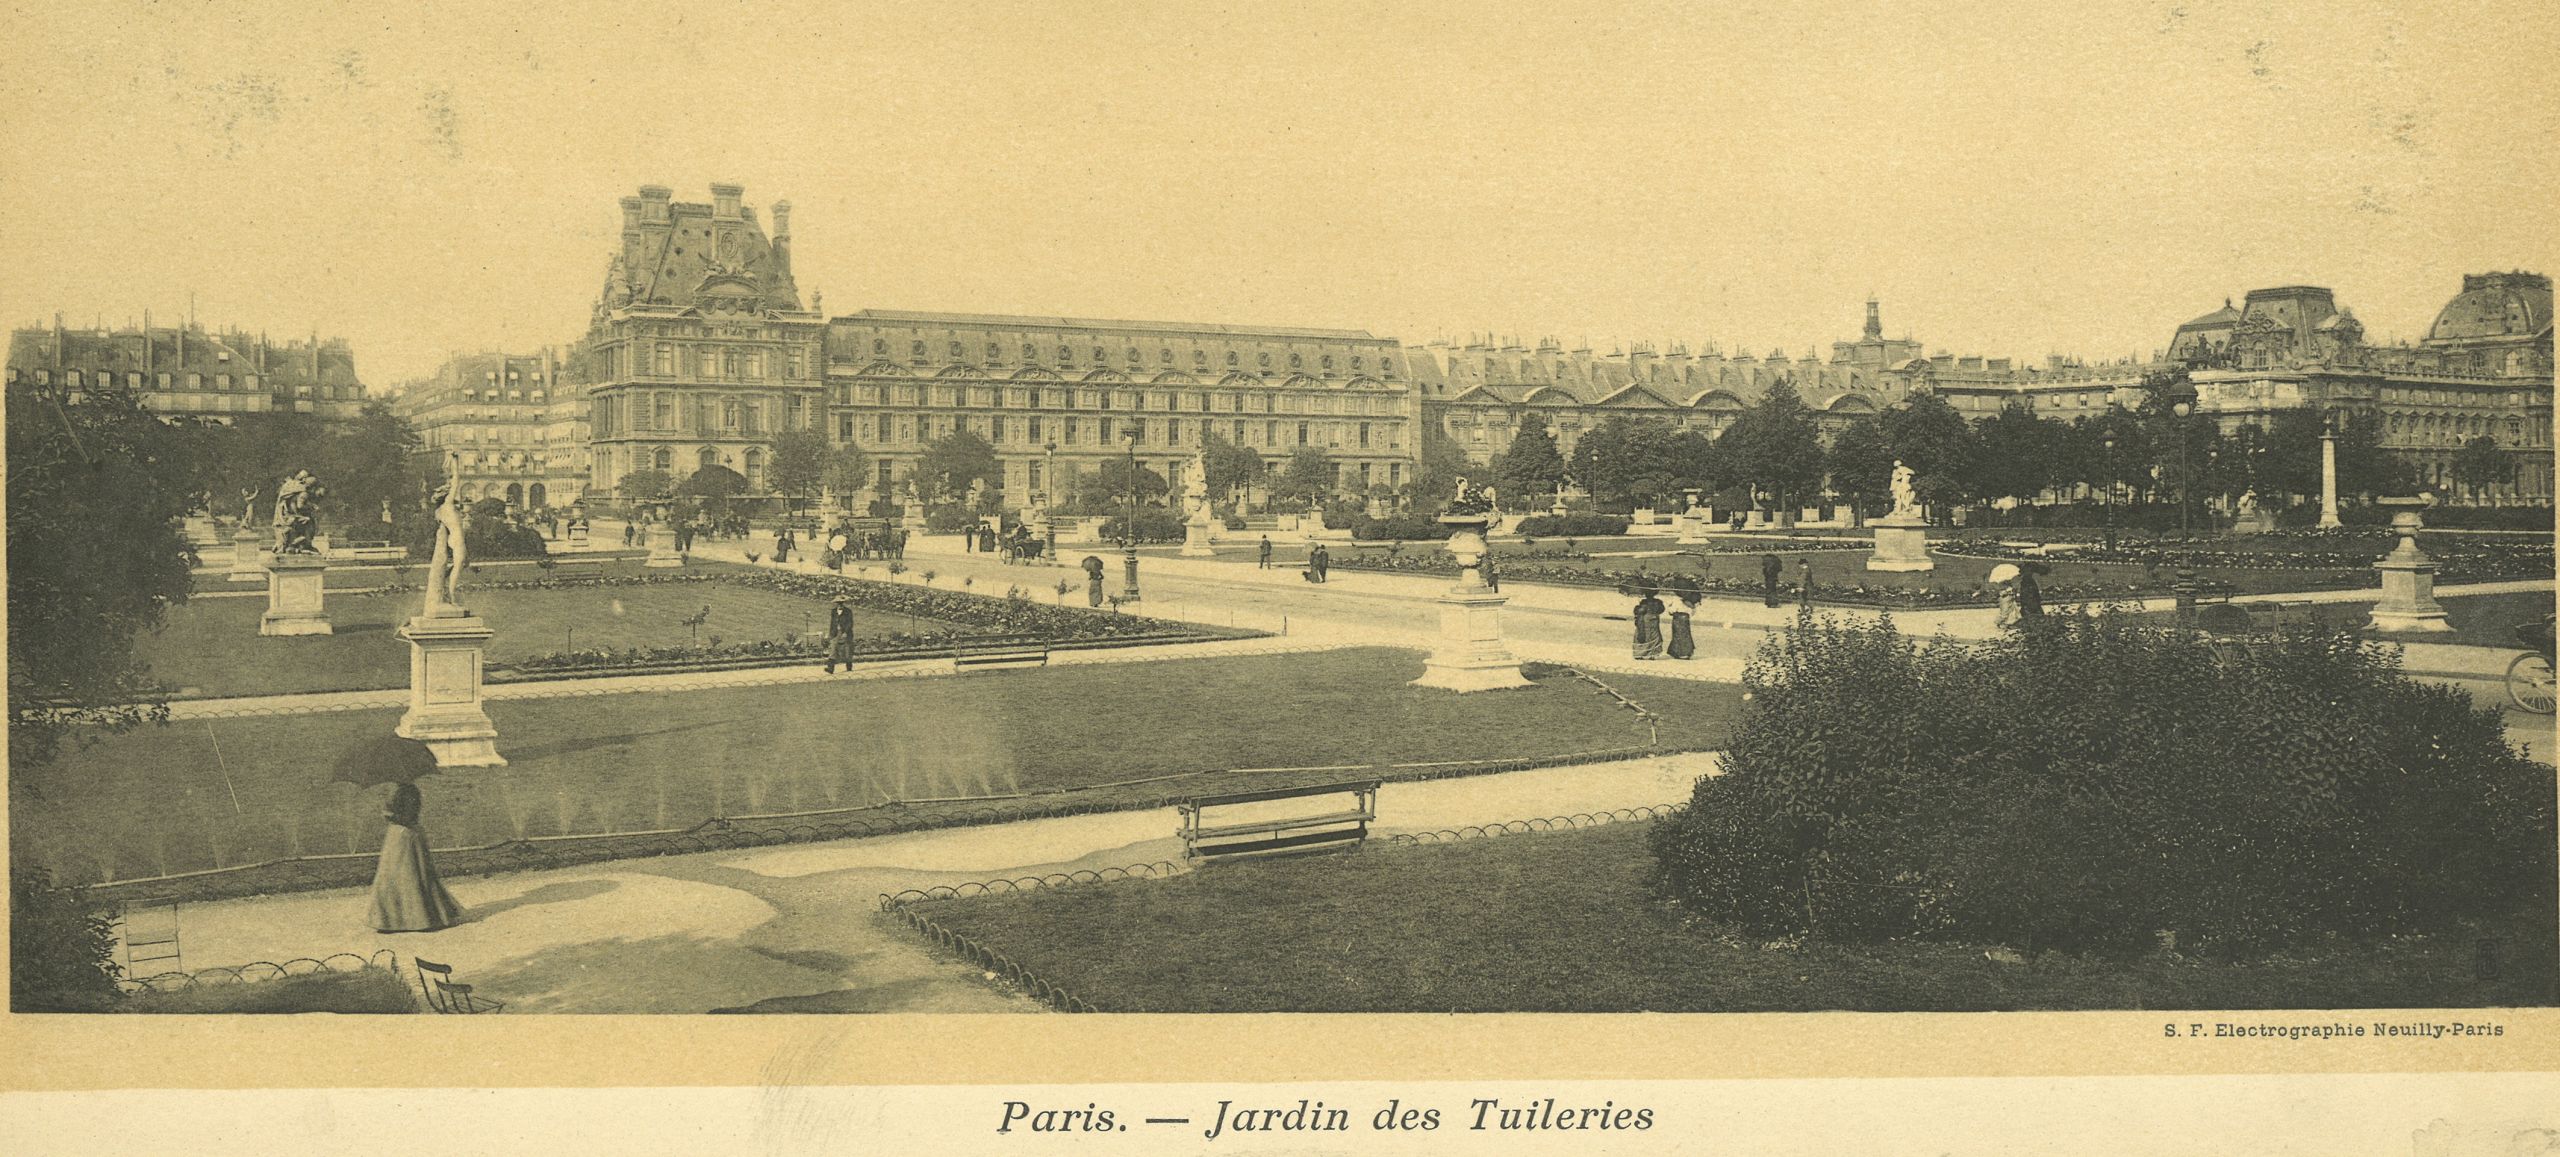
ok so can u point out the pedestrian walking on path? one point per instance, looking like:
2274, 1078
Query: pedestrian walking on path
1683, 643
1266, 553
1804, 583
408, 896
1092, 580
1770, 569
630, 533
1648, 616
840, 635
2004, 582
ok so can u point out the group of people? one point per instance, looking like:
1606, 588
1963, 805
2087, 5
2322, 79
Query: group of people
847, 543
1651, 643
1016, 543
2021, 598
1319, 564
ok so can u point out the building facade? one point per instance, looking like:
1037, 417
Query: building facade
698, 351
1057, 396
516, 428
185, 372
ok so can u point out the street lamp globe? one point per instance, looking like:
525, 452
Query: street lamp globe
2183, 408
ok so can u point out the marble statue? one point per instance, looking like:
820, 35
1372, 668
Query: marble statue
249, 506
1195, 484
1470, 500
1906, 501
445, 562
2249, 501
297, 517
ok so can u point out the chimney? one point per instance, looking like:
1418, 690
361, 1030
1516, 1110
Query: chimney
782, 237
724, 200
1875, 322
653, 203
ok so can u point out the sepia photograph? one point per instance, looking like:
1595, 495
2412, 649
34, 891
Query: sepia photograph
1128, 508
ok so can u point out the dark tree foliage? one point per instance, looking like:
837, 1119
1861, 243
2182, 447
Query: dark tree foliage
2018, 455
798, 470
62, 946
952, 463
96, 492
1531, 470
1930, 437
1106, 488
1231, 467
1775, 447
1309, 477
645, 485
2480, 464
848, 471
2090, 783
1860, 463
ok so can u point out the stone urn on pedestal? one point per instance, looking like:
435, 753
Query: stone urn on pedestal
2408, 576
1471, 655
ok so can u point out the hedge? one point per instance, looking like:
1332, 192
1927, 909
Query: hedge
1571, 525
2092, 784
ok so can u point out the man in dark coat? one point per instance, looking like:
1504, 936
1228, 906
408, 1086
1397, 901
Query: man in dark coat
840, 635
1266, 553
1770, 569
1092, 580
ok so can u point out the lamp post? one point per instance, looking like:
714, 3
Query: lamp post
1129, 525
1049, 485
2186, 481
2109, 441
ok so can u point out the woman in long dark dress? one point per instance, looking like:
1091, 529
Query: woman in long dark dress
1683, 644
1649, 627
840, 635
408, 896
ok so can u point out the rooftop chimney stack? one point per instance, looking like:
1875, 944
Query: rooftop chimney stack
782, 237
724, 200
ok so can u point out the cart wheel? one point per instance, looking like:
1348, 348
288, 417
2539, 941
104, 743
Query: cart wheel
2530, 684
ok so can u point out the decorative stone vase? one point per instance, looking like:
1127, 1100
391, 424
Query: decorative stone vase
1471, 655
2408, 578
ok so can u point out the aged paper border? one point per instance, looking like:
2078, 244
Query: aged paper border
64, 1053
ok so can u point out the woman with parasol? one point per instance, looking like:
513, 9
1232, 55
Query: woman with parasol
408, 896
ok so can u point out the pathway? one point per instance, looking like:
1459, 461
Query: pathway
797, 928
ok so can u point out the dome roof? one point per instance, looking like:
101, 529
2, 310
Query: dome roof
2495, 305
2222, 318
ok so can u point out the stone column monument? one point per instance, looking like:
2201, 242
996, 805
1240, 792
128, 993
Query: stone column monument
446, 647
2408, 577
1471, 655
1902, 537
2329, 480
297, 576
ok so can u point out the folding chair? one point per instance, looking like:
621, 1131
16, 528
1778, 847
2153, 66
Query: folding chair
435, 981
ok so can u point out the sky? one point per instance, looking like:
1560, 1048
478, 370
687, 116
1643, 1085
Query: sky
2009, 179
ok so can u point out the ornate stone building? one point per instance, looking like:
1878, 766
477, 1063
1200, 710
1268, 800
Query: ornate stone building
698, 351
186, 372
519, 428
899, 380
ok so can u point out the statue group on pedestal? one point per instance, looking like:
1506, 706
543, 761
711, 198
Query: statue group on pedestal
1906, 500
297, 514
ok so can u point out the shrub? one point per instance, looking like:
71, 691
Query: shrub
365, 990
62, 946
1155, 524
1576, 525
949, 519
1400, 528
2093, 782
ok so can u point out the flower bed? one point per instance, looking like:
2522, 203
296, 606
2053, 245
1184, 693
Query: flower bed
990, 621
2456, 561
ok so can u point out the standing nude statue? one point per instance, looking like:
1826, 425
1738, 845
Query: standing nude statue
444, 563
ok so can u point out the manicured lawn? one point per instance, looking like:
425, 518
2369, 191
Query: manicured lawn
207, 794
212, 647
1564, 922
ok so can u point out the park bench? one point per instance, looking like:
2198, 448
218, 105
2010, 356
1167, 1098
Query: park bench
1000, 658
1208, 837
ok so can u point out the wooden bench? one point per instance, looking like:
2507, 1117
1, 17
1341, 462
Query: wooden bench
1333, 829
997, 659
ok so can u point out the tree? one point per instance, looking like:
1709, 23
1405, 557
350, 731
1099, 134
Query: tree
2480, 464
1860, 463
96, 555
1930, 437
1309, 477
1231, 467
1438, 466
799, 465
645, 486
712, 485
1107, 488
1635, 461
2018, 455
1531, 471
2364, 467
951, 463
848, 471
1774, 446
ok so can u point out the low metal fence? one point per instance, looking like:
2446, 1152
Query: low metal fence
261, 970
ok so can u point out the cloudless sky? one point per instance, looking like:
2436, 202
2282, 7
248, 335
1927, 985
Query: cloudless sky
2011, 179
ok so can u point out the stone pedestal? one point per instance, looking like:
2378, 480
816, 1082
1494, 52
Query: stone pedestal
296, 586
2259, 521
1902, 544
1693, 526
246, 566
577, 536
1198, 533
444, 689
2408, 583
1471, 655
662, 546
